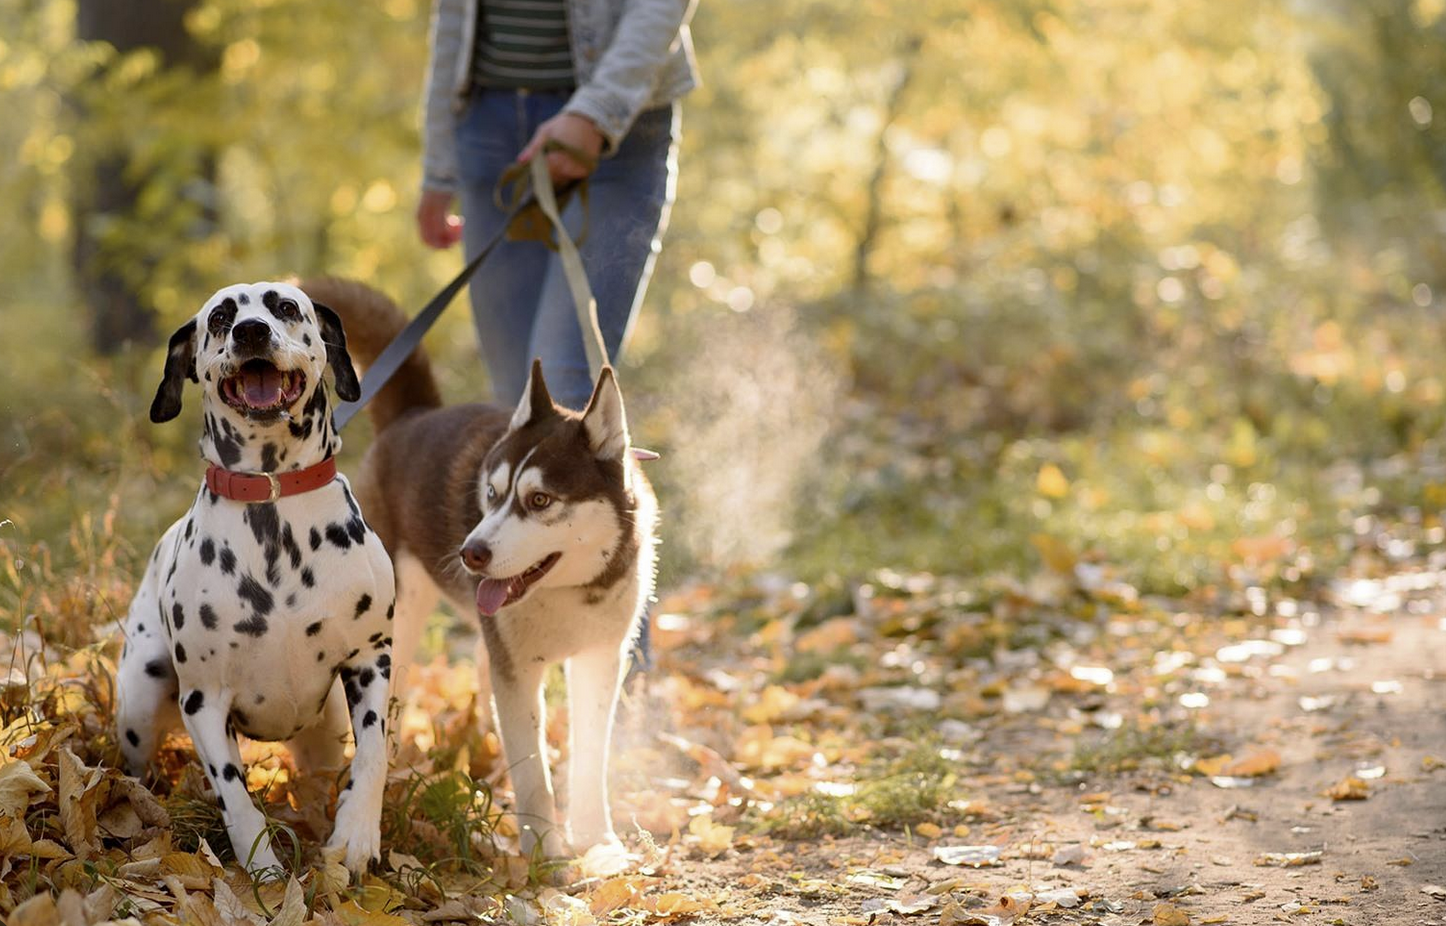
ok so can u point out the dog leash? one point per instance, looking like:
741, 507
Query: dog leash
532, 188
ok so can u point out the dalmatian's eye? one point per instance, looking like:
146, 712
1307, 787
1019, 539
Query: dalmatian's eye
539, 500
288, 310
219, 322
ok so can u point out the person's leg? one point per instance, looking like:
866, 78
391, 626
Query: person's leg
627, 210
506, 288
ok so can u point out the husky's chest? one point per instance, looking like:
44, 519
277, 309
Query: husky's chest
269, 599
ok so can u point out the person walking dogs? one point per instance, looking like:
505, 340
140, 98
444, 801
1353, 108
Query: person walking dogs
601, 76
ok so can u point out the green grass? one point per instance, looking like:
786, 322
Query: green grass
1134, 747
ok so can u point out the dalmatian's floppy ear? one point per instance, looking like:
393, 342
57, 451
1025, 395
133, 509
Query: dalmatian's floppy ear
180, 366
348, 387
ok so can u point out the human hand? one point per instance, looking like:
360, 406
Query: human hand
571, 129
438, 226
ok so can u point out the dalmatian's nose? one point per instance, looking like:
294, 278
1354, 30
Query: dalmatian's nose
476, 555
253, 334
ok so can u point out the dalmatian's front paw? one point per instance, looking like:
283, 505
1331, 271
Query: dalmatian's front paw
359, 834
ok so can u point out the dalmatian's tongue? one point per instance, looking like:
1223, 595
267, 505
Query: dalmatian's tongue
492, 595
261, 387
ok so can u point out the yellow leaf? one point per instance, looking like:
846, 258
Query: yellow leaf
616, 893
1254, 764
293, 906
675, 904
713, 838
1212, 765
1349, 788
17, 782
353, 914
1055, 553
1166, 914
929, 830
1051, 482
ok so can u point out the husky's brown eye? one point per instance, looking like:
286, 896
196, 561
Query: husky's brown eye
539, 500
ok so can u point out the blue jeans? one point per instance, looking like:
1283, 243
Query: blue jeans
520, 300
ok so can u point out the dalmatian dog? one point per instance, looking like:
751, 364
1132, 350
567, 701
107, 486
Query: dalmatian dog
267, 609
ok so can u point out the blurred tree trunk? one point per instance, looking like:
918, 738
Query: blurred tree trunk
874, 212
103, 187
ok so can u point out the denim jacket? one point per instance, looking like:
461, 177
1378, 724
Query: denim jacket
628, 55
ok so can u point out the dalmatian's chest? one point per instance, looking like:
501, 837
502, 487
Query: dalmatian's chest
267, 600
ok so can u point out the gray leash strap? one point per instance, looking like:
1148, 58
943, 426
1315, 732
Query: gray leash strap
396, 353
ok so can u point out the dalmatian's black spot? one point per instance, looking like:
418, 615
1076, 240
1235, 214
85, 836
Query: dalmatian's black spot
231, 772
288, 543
268, 457
315, 539
306, 339
180, 653
253, 626
208, 552
356, 529
291, 600
156, 668
172, 573
132, 738
253, 592
369, 720
261, 699
141, 629
337, 536
321, 656
208, 617
189, 528
353, 654
244, 298
363, 605
228, 444
391, 610
178, 616
308, 578
194, 701
374, 637
221, 802
212, 770
228, 561
366, 677
313, 628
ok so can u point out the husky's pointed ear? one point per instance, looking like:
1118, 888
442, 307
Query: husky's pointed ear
536, 403
180, 366
348, 387
605, 421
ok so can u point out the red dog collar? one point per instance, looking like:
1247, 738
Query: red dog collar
268, 487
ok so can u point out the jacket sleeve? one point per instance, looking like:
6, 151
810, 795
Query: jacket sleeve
627, 73
439, 141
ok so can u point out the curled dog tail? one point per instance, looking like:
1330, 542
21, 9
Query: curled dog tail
370, 321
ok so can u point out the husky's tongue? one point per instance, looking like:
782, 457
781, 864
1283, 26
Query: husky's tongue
262, 386
492, 595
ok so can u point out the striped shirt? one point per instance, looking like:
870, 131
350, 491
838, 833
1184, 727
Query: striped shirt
523, 43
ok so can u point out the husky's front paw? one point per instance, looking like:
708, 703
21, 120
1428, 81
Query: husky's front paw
359, 834
603, 840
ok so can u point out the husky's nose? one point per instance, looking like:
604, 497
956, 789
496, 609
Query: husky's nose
252, 334
476, 555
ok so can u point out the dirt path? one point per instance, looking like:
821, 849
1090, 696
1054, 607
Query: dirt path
1314, 706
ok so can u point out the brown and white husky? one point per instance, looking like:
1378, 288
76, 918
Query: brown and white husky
539, 519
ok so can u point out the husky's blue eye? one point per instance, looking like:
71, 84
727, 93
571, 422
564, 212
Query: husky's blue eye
539, 500
491, 493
